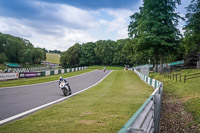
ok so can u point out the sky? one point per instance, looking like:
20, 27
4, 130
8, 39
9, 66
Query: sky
59, 24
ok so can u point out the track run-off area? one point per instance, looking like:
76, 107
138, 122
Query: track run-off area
105, 107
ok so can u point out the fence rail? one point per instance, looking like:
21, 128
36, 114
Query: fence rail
176, 76
191, 76
147, 118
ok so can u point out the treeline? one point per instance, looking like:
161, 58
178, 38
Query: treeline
154, 29
55, 51
18, 50
102, 52
153, 38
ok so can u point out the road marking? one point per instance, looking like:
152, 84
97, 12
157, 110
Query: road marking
45, 105
43, 83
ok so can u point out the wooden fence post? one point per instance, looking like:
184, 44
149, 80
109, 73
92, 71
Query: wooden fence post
184, 78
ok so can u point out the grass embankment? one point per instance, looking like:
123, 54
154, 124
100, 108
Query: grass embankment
107, 67
2, 66
53, 58
104, 108
28, 81
188, 93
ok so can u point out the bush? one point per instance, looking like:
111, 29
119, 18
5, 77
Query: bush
3, 58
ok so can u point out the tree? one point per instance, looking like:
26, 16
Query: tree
54, 51
104, 51
38, 55
88, 56
128, 50
3, 58
2, 43
119, 56
70, 58
192, 29
19, 50
14, 48
155, 28
28, 56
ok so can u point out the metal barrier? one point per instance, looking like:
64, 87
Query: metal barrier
33, 69
28, 74
147, 118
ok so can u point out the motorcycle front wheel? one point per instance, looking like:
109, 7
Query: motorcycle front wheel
65, 91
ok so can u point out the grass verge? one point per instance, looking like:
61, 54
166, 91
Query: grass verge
104, 108
28, 81
107, 67
188, 93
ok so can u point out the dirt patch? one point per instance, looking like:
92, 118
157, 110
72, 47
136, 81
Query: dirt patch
86, 113
174, 118
87, 122
189, 97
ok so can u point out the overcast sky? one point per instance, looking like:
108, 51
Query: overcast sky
59, 24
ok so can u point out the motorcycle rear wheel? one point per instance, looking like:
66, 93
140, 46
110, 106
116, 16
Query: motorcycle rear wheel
70, 91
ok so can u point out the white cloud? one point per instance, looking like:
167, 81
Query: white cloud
70, 36
14, 27
61, 26
72, 30
121, 22
77, 16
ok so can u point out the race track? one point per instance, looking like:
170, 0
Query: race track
16, 100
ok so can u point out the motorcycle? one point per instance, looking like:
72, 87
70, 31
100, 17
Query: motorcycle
65, 88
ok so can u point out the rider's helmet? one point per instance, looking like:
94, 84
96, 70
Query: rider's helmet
61, 78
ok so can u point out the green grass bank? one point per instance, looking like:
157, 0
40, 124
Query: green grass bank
53, 58
104, 108
188, 93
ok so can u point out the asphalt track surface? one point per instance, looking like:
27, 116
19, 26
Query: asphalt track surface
16, 100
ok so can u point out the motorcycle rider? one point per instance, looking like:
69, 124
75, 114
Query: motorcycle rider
104, 69
62, 79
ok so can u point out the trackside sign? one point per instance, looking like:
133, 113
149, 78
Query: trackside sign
29, 74
6, 76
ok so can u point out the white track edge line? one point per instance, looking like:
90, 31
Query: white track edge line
44, 82
45, 105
